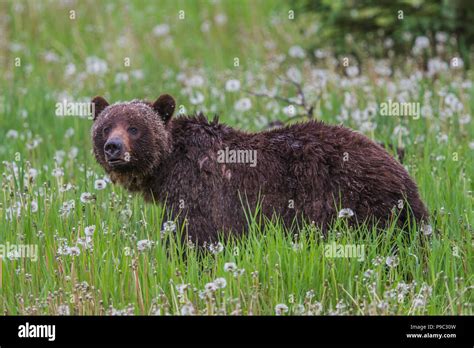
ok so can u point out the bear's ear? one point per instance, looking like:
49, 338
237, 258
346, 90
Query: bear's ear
164, 106
99, 105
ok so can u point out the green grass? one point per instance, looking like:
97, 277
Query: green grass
432, 274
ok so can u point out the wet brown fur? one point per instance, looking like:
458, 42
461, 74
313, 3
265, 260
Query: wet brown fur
175, 161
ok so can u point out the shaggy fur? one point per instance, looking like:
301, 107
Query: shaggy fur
308, 170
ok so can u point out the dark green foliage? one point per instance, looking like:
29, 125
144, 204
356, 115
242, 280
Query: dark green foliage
368, 20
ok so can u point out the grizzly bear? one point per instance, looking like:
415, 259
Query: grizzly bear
207, 174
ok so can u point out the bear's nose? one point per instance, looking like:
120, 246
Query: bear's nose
113, 148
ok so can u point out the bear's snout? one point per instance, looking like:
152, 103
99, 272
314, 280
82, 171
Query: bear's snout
113, 149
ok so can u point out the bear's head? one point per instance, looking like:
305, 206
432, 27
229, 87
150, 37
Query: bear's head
131, 138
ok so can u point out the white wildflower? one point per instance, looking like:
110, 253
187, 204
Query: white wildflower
419, 301
181, 288
377, 261
400, 130
345, 213
232, 85
216, 248
70, 69
239, 272
100, 184
63, 310
137, 74
67, 207
210, 287
69, 132
369, 273
220, 19
299, 309
96, 66
188, 309
144, 244
195, 81
297, 52
74, 251
196, 98
281, 309
12, 134
352, 71
86, 243
58, 172
422, 42
465, 119
230, 267
161, 30
392, 261
221, 283
50, 57
441, 36
243, 104
169, 226
34, 206
87, 197
121, 78
427, 229
89, 230
66, 187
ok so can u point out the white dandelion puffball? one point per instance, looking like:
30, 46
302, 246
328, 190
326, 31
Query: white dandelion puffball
232, 85
100, 184
243, 104
281, 309
345, 213
230, 267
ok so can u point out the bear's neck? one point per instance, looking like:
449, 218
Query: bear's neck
134, 182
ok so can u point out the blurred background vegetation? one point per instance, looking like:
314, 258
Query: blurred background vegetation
396, 24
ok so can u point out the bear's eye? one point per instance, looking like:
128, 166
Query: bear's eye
133, 130
106, 130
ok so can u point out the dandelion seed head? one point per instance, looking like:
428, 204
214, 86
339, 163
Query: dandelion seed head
230, 267
87, 197
143, 245
188, 309
221, 283
63, 309
210, 287
232, 85
281, 309
74, 251
297, 52
427, 229
161, 30
89, 230
345, 213
392, 261
243, 104
169, 226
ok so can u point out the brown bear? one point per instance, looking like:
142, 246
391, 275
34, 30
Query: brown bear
209, 173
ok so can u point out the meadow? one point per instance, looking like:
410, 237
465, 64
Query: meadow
102, 251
